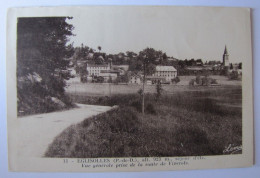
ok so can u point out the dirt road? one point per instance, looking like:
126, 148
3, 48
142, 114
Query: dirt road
36, 132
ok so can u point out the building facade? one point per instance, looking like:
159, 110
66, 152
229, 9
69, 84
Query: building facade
109, 75
168, 72
95, 70
135, 79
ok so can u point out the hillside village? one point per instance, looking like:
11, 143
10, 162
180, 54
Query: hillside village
127, 68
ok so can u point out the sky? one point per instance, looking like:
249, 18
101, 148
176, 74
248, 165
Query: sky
183, 33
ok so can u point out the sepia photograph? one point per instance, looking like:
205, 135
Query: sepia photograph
130, 82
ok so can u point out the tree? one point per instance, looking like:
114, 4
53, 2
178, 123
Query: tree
109, 79
81, 53
136, 65
131, 54
99, 48
163, 58
100, 79
80, 57
148, 57
159, 90
231, 66
43, 50
233, 75
176, 80
122, 78
240, 65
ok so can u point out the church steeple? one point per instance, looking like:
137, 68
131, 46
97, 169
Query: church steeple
225, 51
225, 57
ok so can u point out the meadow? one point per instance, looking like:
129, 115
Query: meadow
184, 121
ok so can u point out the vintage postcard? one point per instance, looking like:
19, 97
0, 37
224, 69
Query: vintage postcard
129, 88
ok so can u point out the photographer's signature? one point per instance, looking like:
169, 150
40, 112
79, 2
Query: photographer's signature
232, 149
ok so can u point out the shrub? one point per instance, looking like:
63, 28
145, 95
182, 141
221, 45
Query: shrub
140, 92
176, 80
137, 105
191, 83
214, 81
159, 90
150, 109
33, 98
205, 81
198, 80
233, 75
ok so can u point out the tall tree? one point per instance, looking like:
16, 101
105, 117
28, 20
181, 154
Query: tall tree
240, 65
43, 51
131, 54
148, 57
99, 48
231, 66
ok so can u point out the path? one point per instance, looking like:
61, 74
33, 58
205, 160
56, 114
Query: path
36, 132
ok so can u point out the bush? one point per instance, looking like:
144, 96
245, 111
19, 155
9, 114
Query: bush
205, 81
137, 105
33, 98
214, 81
176, 80
198, 80
192, 81
159, 90
150, 109
233, 75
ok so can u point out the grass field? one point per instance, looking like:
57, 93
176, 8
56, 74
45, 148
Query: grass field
184, 121
95, 89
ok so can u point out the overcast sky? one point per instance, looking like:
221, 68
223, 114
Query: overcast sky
180, 32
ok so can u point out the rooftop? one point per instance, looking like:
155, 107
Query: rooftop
109, 71
97, 65
154, 77
165, 68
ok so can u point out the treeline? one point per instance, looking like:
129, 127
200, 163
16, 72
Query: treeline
135, 60
85, 53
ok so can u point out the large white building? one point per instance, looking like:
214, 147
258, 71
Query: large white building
168, 72
107, 71
94, 70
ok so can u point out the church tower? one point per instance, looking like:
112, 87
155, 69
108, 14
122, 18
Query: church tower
225, 57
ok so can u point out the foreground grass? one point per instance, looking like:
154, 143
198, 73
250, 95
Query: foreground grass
184, 124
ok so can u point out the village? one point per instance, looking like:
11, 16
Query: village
98, 67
